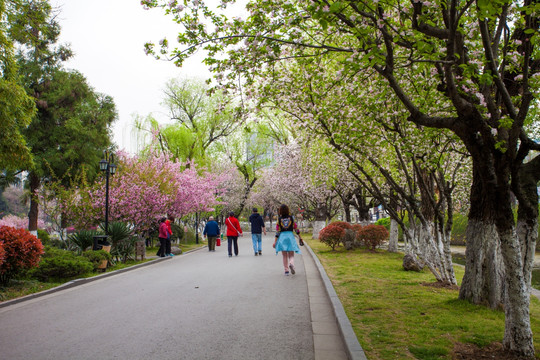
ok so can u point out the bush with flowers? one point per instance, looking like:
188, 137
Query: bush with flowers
22, 251
332, 235
372, 236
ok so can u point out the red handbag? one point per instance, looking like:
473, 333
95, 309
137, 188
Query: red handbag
218, 241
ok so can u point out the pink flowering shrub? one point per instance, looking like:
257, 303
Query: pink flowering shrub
331, 235
19, 222
22, 250
373, 236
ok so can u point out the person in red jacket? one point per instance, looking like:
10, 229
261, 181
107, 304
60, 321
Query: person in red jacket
163, 232
168, 222
233, 231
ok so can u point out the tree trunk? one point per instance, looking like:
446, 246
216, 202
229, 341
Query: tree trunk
320, 220
431, 250
517, 330
483, 282
394, 233
34, 205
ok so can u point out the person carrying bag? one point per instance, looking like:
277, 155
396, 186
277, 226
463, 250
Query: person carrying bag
233, 231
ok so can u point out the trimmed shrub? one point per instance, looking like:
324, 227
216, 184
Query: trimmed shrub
342, 224
332, 235
60, 264
96, 257
22, 251
43, 235
373, 235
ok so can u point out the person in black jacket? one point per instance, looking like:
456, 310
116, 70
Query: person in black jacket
257, 227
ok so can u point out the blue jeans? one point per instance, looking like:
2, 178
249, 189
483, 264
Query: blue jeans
257, 242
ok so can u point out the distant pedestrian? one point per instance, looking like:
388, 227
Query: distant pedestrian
211, 231
257, 227
162, 236
168, 222
285, 240
233, 231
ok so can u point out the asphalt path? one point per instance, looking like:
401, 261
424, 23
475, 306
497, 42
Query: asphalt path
199, 305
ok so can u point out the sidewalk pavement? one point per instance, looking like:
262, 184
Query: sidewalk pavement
333, 336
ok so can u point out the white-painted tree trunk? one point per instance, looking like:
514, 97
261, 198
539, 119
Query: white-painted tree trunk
527, 235
393, 240
433, 250
517, 331
318, 225
483, 282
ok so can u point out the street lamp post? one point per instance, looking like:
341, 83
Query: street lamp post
108, 166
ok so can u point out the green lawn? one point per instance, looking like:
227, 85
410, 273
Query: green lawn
397, 314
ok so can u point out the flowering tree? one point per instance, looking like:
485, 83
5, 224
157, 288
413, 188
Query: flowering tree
144, 189
299, 178
473, 59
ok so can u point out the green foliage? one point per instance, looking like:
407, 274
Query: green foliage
459, 228
177, 232
60, 264
332, 235
43, 236
122, 240
96, 257
189, 236
22, 251
384, 222
82, 239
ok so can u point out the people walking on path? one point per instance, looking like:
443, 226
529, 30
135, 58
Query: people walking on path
211, 232
233, 231
168, 222
162, 236
257, 227
285, 240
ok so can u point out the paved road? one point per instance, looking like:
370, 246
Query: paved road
200, 305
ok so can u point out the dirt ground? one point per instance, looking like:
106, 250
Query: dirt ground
473, 352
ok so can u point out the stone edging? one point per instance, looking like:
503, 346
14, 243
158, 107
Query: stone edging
354, 349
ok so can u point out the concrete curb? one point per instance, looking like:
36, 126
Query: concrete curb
354, 349
83, 281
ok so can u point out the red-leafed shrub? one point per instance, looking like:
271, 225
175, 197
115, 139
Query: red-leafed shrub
2, 253
331, 235
356, 228
342, 224
373, 235
22, 251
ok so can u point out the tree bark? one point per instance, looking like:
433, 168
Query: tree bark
483, 282
34, 204
394, 233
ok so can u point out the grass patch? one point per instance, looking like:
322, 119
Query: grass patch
397, 315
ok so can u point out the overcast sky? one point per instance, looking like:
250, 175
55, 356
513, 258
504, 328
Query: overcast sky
108, 39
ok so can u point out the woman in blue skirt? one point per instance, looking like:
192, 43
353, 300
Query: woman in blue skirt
285, 240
